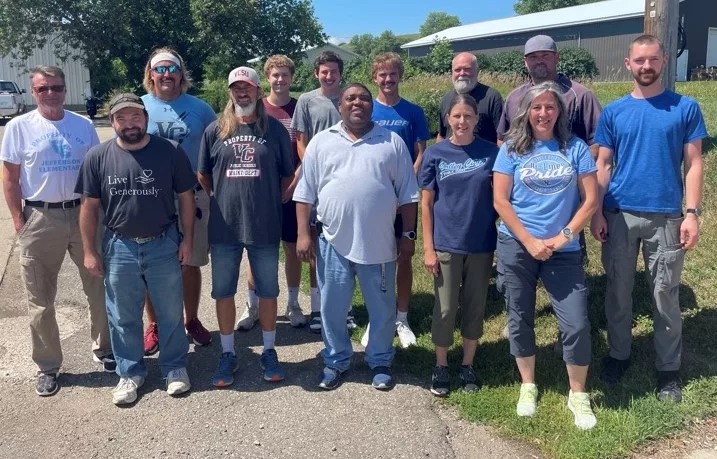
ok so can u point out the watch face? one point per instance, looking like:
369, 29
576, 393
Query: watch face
567, 231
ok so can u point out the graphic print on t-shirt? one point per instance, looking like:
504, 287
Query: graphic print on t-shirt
244, 163
547, 173
176, 129
469, 165
125, 186
59, 143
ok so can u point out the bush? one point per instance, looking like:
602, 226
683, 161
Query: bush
577, 63
304, 80
357, 70
439, 59
214, 92
507, 62
426, 91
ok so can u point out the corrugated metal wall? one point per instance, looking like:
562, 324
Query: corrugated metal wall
77, 76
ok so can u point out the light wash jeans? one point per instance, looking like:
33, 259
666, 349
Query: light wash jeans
337, 278
131, 268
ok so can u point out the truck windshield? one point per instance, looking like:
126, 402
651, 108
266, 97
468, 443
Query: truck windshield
6, 86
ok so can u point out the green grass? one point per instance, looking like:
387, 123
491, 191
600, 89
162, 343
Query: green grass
628, 416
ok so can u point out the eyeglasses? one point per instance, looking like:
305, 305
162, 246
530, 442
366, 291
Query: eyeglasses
53, 88
167, 68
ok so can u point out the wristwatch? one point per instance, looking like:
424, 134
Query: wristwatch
696, 210
568, 233
409, 234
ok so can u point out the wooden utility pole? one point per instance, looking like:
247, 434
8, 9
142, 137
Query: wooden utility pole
661, 20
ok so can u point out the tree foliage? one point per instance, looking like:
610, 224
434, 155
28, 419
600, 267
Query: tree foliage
367, 45
439, 59
534, 6
437, 21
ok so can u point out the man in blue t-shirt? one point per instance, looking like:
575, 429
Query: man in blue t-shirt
644, 138
178, 116
408, 121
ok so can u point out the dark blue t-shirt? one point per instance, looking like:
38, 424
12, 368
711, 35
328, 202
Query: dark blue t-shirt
405, 119
647, 137
463, 213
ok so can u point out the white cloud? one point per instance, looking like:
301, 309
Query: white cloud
338, 40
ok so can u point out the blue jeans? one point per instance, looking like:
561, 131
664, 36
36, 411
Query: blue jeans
337, 278
132, 268
264, 262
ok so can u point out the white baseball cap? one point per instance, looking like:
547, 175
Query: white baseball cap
247, 74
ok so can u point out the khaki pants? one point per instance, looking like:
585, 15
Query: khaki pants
43, 241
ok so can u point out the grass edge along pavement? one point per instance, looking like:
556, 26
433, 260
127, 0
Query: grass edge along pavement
628, 415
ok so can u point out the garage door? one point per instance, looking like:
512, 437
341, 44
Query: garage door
712, 47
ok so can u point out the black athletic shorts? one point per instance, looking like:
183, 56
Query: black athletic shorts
289, 226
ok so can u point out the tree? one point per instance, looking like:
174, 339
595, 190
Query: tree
362, 44
534, 6
437, 21
366, 45
440, 57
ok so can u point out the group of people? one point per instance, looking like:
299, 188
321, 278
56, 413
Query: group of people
335, 176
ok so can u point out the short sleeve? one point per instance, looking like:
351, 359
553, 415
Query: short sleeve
420, 125
285, 151
206, 162
442, 128
298, 121
696, 129
604, 135
94, 138
307, 188
405, 185
504, 164
183, 176
89, 182
209, 115
10, 149
503, 123
427, 173
584, 160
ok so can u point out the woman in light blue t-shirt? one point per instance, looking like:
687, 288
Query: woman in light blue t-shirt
545, 191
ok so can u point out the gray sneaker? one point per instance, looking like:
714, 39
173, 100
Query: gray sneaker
126, 390
178, 382
46, 384
295, 315
248, 318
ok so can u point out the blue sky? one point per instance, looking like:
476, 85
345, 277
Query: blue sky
345, 18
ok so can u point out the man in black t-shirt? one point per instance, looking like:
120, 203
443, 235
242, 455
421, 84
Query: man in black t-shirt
134, 178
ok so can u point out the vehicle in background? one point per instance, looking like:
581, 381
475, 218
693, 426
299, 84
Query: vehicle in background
91, 106
12, 100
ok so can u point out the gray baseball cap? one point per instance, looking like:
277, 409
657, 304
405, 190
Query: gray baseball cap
540, 43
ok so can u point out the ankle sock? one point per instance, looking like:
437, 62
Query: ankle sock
293, 294
315, 299
402, 316
227, 343
269, 337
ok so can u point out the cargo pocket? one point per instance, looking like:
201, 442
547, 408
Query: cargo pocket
669, 267
28, 222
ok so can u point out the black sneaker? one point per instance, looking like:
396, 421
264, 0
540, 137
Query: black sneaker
330, 378
613, 370
668, 386
315, 322
469, 383
382, 378
351, 321
108, 362
46, 384
440, 381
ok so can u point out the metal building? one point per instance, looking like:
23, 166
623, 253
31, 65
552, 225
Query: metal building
77, 76
605, 29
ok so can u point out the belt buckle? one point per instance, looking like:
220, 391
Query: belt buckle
68, 204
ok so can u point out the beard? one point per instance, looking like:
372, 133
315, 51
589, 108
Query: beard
464, 85
646, 78
540, 73
244, 111
132, 135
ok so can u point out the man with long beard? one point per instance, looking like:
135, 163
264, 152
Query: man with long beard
133, 179
465, 81
644, 138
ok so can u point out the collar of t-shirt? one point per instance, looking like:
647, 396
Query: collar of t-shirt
338, 128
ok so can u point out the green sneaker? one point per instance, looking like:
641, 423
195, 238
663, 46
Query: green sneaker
528, 400
579, 404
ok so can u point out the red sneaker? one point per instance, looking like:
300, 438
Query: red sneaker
151, 339
200, 335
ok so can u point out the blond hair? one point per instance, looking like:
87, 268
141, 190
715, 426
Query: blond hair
148, 83
385, 60
276, 61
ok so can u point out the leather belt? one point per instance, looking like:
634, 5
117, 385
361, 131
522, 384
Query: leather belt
54, 205
140, 240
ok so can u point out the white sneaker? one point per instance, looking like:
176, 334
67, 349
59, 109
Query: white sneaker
364, 338
405, 334
248, 318
178, 381
579, 404
126, 390
295, 315
528, 400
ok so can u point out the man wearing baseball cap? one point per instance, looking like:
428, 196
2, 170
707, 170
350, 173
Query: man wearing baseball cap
245, 163
178, 116
133, 179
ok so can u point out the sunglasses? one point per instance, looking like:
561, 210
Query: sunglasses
53, 88
166, 68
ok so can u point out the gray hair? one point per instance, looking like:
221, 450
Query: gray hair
520, 138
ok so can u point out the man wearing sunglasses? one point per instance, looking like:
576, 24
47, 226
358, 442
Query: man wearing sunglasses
178, 116
42, 152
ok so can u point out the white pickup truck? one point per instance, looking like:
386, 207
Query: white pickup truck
12, 100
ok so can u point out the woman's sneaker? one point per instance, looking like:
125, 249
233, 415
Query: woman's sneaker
440, 381
579, 404
528, 400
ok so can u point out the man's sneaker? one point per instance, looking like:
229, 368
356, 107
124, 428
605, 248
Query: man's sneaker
295, 315
668, 386
579, 404
46, 384
200, 335
440, 381
405, 334
270, 364
248, 318
351, 321
364, 338
330, 379
467, 375
224, 376
178, 381
528, 400
382, 378
315, 322
108, 362
613, 370
126, 390
151, 339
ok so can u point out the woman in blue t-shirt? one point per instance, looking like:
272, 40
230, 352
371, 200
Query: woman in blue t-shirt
459, 236
545, 191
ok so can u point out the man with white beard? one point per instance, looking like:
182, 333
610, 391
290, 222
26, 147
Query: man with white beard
490, 104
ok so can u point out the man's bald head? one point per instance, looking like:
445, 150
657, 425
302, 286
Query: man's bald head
464, 72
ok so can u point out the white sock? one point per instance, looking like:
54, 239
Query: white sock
227, 343
293, 294
315, 299
253, 299
402, 316
269, 337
